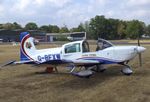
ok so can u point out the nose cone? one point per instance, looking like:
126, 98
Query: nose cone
140, 49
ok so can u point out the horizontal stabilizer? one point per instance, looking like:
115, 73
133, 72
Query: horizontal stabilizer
13, 62
8, 63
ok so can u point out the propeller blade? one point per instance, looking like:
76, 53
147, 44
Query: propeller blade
140, 55
140, 59
138, 41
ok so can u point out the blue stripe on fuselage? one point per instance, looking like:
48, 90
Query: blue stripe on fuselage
102, 60
55, 62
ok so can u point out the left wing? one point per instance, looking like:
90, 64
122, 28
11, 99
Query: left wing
85, 62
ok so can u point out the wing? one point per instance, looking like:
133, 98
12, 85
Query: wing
72, 62
82, 62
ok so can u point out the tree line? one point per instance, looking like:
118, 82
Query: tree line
99, 26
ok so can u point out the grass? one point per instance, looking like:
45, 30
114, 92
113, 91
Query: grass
22, 84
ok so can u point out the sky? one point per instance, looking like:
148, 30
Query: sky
71, 12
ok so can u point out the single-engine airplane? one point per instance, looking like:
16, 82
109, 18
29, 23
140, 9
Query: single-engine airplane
77, 54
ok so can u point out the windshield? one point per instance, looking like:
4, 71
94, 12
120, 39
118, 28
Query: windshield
102, 44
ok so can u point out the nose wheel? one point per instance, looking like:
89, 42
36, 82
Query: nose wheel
127, 70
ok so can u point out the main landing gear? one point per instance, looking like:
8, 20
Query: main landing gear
86, 73
126, 70
99, 68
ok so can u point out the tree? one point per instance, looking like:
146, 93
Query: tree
31, 26
97, 27
121, 29
55, 29
80, 28
17, 26
74, 29
111, 28
44, 28
50, 28
148, 30
1, 26
103, 28
86, 27
134, 29
8, 26
64, 29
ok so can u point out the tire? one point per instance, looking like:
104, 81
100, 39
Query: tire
127, 71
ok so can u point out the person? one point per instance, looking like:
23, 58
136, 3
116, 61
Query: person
99, 46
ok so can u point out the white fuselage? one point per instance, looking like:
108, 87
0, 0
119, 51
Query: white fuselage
76, 54
110, 55
115, 54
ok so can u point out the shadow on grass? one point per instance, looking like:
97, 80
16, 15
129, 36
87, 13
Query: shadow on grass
97, 78
142, 73
66, 80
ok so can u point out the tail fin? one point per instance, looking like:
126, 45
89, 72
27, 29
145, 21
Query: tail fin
27, 47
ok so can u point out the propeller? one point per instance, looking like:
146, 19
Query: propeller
140, 56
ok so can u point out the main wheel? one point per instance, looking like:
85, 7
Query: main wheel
100, 68
127, 71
